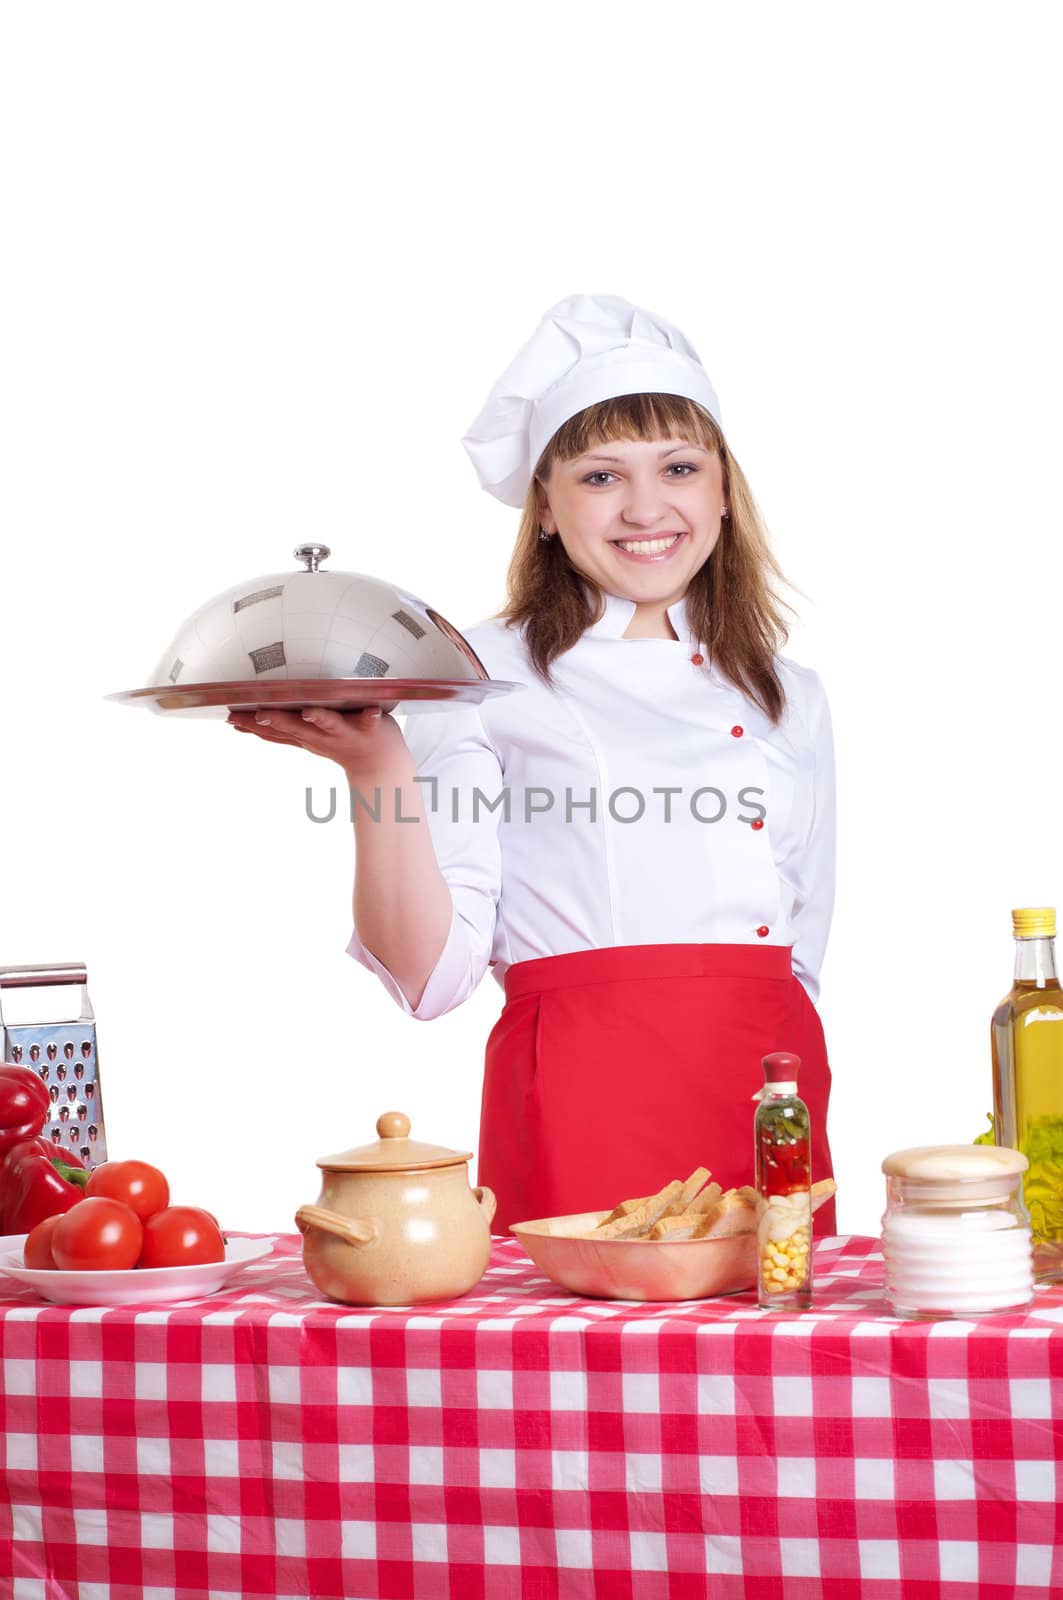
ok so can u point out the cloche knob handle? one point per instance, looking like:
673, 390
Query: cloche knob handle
312, 554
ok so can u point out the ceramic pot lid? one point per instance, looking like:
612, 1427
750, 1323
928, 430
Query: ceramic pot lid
394, 1151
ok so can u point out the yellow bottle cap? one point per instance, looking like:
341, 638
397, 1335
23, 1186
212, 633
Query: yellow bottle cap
1034, 922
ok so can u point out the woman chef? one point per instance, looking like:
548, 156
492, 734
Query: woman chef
641, 841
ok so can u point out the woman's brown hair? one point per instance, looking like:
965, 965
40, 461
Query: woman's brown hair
732, 607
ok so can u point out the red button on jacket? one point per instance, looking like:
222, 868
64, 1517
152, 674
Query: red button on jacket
698, 660
737, 731
762, 933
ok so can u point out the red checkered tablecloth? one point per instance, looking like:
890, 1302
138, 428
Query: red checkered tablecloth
521, 1442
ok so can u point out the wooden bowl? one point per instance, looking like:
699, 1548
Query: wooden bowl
637, 1269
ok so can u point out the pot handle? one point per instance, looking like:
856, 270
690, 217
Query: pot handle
487, 1200
354, 1230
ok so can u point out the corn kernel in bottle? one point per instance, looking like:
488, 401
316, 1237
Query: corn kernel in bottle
783, 1157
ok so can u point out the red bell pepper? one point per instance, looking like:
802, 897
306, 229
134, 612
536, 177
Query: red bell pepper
24, 1105
38, 1180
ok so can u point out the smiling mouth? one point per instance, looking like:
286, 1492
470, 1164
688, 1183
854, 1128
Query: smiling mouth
656, 545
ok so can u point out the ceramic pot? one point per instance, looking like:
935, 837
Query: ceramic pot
396, 1222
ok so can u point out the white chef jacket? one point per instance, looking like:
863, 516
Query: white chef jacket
592, 853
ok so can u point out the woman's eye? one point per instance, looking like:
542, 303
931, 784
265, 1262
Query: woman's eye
686, 468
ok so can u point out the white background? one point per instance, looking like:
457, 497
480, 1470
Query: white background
262, 264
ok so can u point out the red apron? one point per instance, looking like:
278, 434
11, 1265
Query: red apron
610, 1072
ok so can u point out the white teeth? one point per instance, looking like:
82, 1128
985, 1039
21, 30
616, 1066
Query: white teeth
648, 547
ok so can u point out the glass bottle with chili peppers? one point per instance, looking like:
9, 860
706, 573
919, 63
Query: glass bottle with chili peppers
783, 1156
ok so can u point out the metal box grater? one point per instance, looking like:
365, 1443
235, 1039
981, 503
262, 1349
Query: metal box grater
64, 1054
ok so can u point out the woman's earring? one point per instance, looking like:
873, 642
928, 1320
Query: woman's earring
543, 533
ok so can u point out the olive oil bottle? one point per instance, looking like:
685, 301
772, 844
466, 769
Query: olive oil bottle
1027, 1040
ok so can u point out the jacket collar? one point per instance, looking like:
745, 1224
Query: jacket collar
616, 619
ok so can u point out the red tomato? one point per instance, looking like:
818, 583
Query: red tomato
37, 1251
97, 1235
142, 1188
182, 1236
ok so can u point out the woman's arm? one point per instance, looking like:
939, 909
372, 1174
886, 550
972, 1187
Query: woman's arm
402, 906
401, 898
430, 952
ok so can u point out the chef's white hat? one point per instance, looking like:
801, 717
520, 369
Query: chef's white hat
587, 348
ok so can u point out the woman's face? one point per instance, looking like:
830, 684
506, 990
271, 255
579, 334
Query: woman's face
639, 517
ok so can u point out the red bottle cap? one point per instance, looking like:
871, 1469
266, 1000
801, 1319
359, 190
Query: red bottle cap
781, 1067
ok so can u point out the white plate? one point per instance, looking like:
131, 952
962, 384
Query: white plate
139, 1286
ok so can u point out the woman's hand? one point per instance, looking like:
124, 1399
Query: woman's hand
366, 744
